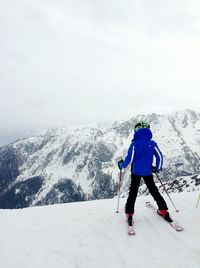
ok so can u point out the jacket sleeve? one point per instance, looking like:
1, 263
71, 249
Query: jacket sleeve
129, 158
159, 157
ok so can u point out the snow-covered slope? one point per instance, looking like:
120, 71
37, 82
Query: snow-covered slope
76, 164
90, 234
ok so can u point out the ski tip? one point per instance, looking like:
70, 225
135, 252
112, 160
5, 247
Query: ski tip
131, 233
180, 230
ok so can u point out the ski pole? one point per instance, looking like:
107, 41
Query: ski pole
119, 188
198, 200
166, 191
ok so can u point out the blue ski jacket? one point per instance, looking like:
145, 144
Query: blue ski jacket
141, 153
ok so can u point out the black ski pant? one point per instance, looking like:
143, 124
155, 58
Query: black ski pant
135, 183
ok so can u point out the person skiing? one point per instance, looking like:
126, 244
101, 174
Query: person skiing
141, 155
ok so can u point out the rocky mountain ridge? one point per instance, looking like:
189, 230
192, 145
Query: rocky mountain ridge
74, 164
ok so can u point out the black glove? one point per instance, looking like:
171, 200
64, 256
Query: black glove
120, 164
154, 169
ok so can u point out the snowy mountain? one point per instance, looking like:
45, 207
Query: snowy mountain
76, 164
91, 234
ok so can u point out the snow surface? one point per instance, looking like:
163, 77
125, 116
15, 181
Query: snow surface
91, 234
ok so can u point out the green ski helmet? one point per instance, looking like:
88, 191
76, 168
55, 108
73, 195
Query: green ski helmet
141, 124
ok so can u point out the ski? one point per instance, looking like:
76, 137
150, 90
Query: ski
168, 219
131, 229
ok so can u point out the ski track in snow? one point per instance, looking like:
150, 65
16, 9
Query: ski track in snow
90, 234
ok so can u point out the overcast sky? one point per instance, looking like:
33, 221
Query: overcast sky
66, 62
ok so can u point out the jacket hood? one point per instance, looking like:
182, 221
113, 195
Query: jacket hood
143, 134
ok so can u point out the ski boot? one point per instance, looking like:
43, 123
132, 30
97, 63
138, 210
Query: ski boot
165, 214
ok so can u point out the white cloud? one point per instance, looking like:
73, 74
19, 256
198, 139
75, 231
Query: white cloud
65, 62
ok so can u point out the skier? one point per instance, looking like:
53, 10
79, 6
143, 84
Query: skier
140, 154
